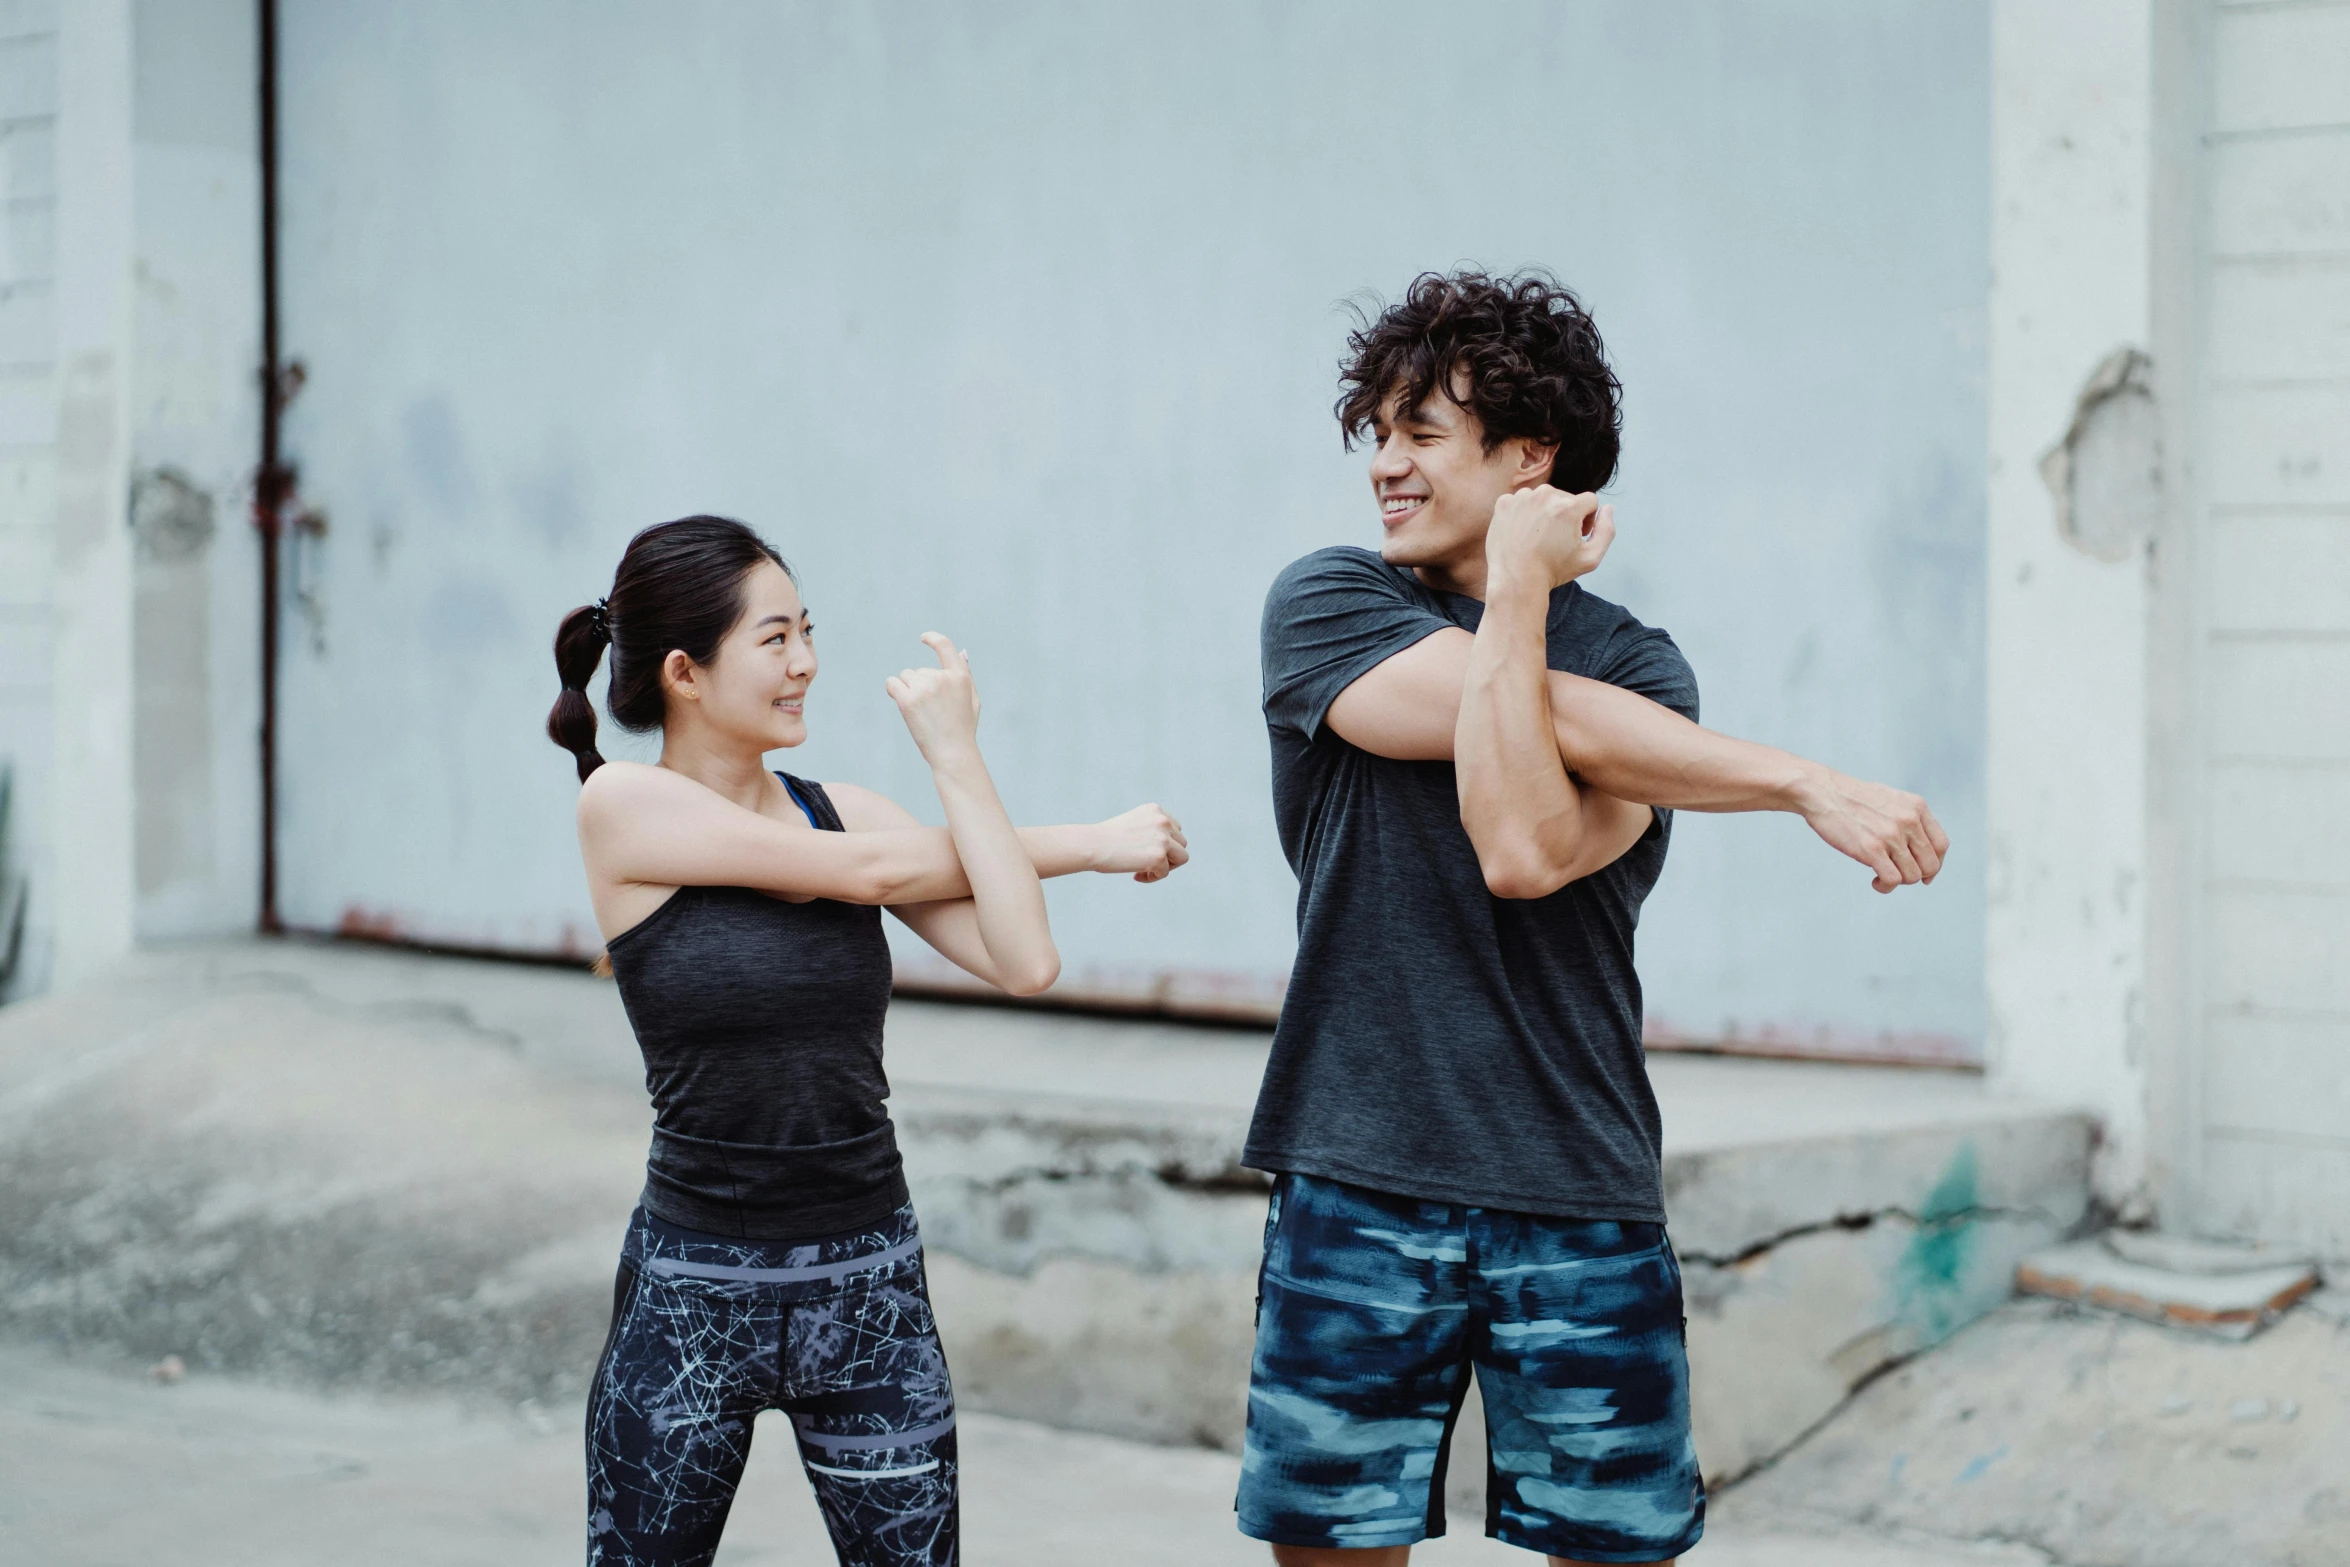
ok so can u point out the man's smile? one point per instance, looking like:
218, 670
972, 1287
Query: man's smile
1394, 509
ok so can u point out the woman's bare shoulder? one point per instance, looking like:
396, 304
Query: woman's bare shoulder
621, 786
868, 810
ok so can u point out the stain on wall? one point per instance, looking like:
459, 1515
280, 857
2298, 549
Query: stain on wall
173, 525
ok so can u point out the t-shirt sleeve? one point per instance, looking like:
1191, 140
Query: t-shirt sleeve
1649, 662
1330, 619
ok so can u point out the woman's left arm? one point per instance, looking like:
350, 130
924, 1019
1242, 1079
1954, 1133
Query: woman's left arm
1145, 843
941, 710
950, 925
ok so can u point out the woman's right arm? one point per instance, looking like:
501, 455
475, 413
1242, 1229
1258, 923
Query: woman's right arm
650, 826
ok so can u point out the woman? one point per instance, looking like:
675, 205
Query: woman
774, 1261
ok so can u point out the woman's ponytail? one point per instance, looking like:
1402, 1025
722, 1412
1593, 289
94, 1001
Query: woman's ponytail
579, 647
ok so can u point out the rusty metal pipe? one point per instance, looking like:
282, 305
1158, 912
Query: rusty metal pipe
272, 481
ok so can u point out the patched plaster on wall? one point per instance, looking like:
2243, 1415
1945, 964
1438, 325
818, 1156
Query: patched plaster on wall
2106, 474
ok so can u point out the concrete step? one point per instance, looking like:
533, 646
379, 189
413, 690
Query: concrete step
352, 1166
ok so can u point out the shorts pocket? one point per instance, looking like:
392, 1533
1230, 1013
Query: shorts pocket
1265, 1257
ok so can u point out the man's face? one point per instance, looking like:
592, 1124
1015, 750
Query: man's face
1436, 485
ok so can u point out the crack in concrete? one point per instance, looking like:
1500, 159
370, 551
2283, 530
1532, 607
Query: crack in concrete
1771, 1459
1234, 1180
1853, 1222
2028, 1542
1231, 1180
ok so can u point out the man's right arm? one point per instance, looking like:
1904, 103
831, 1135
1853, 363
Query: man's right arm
1625, 745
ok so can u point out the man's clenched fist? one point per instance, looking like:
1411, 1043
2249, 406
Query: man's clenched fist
1546, 537
1889, 830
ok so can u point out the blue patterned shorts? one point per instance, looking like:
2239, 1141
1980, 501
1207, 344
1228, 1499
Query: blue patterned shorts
706, 1333
1373, 1309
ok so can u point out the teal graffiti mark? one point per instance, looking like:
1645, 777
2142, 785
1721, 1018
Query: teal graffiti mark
1975, 1468
1931, 1280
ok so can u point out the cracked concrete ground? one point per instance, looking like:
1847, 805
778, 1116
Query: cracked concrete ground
369, 1174
2092, 1439
318, 1162
106, 1468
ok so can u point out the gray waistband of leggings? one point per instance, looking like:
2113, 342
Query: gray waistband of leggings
671, 1267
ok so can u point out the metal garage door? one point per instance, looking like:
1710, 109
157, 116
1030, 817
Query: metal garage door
1019, 321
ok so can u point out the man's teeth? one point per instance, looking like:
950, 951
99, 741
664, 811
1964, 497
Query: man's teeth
1396, 503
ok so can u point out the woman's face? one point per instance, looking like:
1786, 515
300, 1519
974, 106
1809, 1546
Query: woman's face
754, 688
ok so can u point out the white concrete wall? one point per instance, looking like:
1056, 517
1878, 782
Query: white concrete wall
129, 309
2169, 917
1021, 322
2272, 1102
28, 469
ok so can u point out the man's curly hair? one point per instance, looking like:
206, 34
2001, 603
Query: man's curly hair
1531, 355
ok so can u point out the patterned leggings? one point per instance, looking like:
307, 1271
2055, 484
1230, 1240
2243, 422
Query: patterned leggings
706, 1333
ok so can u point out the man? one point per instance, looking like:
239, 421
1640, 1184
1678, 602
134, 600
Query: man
1474, 767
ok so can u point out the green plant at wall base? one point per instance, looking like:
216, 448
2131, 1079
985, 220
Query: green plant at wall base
12, 887
1932, 1278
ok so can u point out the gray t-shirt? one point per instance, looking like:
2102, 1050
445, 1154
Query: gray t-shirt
1437, 1041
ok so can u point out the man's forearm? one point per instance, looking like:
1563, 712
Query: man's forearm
1632, 749
1623, 744
1617, 741
1519, 807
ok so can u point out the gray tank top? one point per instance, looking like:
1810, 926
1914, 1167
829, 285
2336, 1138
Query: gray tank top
760, 1023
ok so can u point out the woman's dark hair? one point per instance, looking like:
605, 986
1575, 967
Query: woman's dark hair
679, 586
1531, 355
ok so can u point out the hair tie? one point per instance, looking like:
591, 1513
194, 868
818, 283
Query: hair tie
599, 616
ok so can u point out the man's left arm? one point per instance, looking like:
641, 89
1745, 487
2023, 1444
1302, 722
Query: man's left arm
1618, 743
1535, 826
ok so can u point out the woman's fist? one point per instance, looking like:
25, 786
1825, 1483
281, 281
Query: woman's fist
1145, 843
940, 706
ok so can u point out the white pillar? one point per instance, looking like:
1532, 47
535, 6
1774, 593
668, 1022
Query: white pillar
194, 434
91, 830
2073, 286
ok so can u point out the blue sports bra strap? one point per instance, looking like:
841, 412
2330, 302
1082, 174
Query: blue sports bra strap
800, 800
